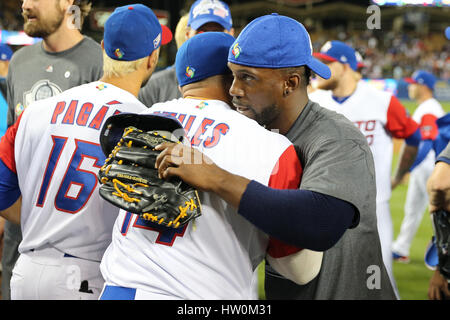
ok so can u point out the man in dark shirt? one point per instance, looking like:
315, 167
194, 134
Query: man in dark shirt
334, 209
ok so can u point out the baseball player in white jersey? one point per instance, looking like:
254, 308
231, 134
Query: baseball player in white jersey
66, 226
380, 117
429, 110
214, 256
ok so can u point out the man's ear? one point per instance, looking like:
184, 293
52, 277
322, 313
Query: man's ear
66, 4
292, 83
187, 32
153, 59
102, 44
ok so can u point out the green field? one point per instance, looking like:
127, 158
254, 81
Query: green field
412, 278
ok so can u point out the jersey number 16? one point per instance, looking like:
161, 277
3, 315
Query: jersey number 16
78, 183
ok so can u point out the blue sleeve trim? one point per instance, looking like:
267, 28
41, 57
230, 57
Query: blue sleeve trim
414, 139
424, 147
9, 187
301, 218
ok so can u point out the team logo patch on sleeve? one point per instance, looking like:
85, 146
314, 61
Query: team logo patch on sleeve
19, 109
101, 86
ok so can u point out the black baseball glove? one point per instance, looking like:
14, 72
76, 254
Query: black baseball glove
128, 177
441, 225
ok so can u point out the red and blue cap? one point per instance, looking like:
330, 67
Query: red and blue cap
203, 56
422, 77
275, 41
204, 11
5, 52
133, 32
338, 51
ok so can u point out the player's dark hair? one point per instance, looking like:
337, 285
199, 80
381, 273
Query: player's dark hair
306, 76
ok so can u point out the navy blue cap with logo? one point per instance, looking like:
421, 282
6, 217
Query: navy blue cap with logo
275, 41
338, 51
203, 56
204, 11
422, 77
133, 32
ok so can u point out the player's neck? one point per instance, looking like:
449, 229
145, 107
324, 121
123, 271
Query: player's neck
62, 39
424, 97
128, 83
290, 111
347, 85
207, 93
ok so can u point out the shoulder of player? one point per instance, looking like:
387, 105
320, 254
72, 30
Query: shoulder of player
91, 44
252, 130
431, 104
367, 90
319, 95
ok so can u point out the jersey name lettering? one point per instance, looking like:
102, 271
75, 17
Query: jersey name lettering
198, 135
75, 113
367, 128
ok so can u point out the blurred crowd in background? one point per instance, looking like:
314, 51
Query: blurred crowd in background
394, 55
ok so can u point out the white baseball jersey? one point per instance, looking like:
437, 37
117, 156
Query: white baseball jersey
380, 117
214, 256
57, 155
416, 201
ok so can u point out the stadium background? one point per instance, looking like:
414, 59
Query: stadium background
410, 37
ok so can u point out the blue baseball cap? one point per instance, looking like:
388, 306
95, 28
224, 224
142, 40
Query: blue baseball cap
338, 51
204, 11
275, 41
422, 77
133, 32
5, 52
203, 56
447, 33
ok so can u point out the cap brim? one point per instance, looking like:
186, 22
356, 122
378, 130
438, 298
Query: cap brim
114, 126
410, 80
166, 36
324, 57
319, 68
210, 18
360, 65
